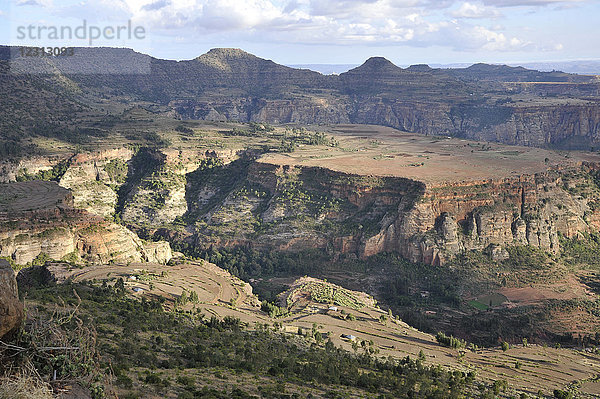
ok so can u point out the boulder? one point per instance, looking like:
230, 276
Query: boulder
11, 309
158, 252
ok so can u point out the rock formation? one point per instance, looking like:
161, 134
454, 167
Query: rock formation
38, 219
482, 102
11, 308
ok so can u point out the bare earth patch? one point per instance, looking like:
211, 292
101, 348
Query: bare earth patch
383, 151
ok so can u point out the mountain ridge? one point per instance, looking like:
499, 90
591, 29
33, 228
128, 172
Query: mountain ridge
512, 105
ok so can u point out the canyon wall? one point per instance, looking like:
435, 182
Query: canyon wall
38, 218
294, 208
571, 126
248, 202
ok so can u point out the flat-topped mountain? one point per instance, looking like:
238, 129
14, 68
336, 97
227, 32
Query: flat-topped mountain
512, 105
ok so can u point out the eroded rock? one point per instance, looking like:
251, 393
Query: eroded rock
11, 308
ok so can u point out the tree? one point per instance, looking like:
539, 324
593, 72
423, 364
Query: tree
120, 285
560, 394
194, 297
505, 346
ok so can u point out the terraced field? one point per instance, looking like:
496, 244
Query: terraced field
525, 368
32, 196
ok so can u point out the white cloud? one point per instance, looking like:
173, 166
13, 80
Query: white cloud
473, 10
333, 22
39, 3
518, 3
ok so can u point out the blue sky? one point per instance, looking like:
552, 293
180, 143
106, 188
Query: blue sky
327, 31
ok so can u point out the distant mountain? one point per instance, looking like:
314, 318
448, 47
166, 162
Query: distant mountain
588, 67
326, 69
579, 67
485, 102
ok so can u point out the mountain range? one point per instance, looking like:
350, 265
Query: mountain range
512, 105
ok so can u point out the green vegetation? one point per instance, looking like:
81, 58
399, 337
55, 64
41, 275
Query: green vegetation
53, 174
582, 251
273, 311
327, 293
450, 341
117, 170
133, 334
249, 263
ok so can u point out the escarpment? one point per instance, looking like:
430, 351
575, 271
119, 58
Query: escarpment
278, 202
288, 207
38, 220
569, 126
481, 102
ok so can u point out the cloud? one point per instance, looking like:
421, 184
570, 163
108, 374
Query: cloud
332, 22
156, 6
39, 3
519, 3
473, 10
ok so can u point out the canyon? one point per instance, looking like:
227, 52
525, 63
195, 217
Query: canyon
379, 190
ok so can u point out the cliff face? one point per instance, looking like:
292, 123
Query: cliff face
293, 208
482, 102
94, 178
38, 218
529, 210
575, 126
289, 207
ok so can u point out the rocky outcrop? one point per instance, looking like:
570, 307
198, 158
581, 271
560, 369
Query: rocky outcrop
38, 219
307, 207
11, 308
158, 199
93, 178
158, 252
25, 244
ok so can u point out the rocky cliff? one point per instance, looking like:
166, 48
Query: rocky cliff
289, 206
38, 219
294, 207
482, 102
11, 308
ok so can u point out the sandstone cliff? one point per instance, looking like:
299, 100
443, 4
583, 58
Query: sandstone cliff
11, 308
38, 218
289, 207
94, 179
292, 208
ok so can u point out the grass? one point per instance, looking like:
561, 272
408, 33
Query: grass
24, 387
478, 305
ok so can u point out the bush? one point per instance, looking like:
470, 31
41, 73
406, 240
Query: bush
560, 394
273, 311
450, 341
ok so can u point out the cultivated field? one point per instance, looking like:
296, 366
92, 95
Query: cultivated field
527, 369
383, 151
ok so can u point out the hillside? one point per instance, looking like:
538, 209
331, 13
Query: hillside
340, 202
192, 322
230, 227
511, 105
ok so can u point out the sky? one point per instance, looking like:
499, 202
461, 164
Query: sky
318, 31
